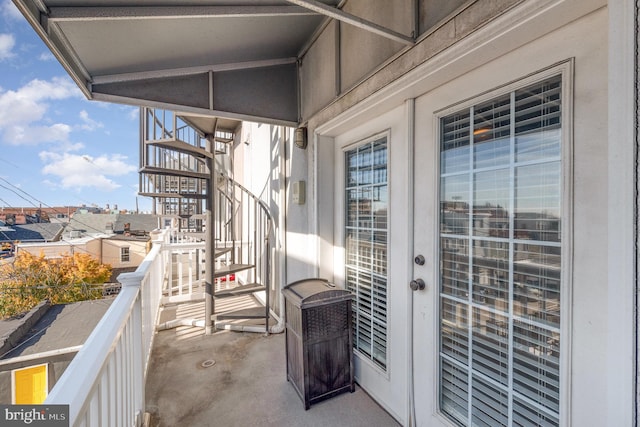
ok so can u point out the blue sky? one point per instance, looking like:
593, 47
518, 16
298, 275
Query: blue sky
56, 147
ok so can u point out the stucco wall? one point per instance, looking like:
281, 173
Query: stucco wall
362, 51
434, 11
105, 250
111, 252
318, 72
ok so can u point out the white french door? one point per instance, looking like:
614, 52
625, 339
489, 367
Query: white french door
488, 215
372, 232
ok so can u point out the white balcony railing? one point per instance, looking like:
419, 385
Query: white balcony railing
104, 383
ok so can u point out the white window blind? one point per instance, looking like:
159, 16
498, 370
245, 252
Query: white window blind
500, 248
366, 246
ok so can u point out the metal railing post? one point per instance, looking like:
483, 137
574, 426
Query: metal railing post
209, 304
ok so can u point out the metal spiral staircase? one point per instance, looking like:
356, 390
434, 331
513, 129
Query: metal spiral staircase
186, 169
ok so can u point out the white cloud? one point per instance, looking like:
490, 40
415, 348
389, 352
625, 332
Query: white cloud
134, 114
7, 42
83, 171
33, 135
50, 184
22, 111
10, 10
89, 123
46, 56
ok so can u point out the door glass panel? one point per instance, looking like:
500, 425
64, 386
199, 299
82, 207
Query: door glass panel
454, 324
454, 147
500, 259
491, 131
454, 272
490, 404
454, 391
491, 203
537, 202
367, 201
491, 274
454, 218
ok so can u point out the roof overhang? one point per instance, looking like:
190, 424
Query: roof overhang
237, 60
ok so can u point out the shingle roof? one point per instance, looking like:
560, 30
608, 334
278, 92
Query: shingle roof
41, 232
142, 222
90, 223
97, 223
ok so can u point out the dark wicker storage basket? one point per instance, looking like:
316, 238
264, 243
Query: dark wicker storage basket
319, 339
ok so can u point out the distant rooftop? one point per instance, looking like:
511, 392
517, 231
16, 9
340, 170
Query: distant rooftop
41, 232
91, 224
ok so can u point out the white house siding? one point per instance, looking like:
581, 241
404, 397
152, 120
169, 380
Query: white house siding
530, 37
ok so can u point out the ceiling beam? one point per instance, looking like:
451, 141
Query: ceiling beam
97, 13
174, 72
356, 21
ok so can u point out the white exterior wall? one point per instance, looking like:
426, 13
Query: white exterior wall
57, 249
275, 163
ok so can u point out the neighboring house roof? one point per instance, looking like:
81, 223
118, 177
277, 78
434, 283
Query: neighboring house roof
100, 223
31, 210
142, 222
88, 223
61, 326
42, 232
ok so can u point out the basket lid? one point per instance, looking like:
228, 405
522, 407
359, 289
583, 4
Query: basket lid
314, 291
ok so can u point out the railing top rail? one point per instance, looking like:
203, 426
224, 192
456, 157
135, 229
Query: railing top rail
185, 246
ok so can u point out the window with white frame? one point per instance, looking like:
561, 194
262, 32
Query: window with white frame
500, 267
124, 254
366, 194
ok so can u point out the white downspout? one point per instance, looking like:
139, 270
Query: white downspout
281, 235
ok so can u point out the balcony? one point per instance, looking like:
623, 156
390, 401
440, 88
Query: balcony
137, 369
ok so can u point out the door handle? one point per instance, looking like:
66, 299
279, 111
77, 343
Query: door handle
417, 285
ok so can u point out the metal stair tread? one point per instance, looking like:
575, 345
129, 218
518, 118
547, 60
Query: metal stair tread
249, 288
173, 172
221, 251
245, 313
229, 269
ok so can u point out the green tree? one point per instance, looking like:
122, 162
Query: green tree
31, 279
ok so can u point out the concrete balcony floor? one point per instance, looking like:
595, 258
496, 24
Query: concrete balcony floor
246, 386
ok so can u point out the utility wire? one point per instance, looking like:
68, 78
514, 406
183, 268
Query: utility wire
74, 245
40, 202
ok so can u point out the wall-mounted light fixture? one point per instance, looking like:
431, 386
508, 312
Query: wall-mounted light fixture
300, 137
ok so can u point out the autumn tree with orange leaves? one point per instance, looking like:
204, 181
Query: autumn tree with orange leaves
31, 279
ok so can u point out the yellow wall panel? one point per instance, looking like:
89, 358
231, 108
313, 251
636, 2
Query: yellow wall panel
30, 385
